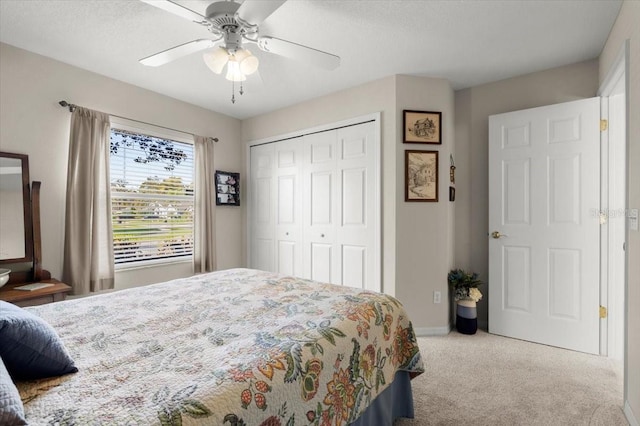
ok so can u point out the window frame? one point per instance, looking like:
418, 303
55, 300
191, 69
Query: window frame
120, 123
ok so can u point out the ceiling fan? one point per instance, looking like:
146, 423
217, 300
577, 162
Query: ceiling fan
233, 25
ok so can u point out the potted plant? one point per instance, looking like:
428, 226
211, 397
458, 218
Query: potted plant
466, 295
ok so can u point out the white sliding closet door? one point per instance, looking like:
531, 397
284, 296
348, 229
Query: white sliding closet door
314, 210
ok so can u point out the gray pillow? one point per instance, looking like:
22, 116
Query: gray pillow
11, 409
29, 347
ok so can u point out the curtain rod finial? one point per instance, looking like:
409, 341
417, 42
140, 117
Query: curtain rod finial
65, 104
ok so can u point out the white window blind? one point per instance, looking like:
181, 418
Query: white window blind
151, 197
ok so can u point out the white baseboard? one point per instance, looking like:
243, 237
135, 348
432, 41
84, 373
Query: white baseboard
629, 414
432, 331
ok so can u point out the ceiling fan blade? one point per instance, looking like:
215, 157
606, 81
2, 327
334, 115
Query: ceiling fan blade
174, 53
299, 52
176, 9
256, 11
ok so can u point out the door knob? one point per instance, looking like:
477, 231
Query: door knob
321, 235
497, 234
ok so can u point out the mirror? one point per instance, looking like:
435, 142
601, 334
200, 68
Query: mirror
16, 238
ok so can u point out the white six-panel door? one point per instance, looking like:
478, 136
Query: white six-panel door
544, 248
319, 197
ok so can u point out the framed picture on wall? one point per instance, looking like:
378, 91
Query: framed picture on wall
421, 176
227, 188
422, 127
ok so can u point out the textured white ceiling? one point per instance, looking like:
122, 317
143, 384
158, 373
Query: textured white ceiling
468, 42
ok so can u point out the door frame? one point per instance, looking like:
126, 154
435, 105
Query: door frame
608, 289
619, 70
373, 117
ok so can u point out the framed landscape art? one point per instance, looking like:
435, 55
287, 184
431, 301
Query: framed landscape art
422, 127
421, 176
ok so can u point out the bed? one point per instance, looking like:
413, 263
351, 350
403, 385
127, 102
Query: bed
236, 347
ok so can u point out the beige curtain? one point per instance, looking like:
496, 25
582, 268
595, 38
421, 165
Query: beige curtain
204, 253
88, 245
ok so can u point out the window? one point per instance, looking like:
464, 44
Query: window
151, 197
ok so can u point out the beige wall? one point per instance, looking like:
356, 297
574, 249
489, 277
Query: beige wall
415, 242
627, 27
32, 122
472, 109
424, 231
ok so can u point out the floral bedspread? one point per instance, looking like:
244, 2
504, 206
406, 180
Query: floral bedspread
236, 347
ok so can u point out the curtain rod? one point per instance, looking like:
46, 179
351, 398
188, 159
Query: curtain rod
71, 107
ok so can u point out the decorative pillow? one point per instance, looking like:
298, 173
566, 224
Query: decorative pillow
11, 409
29, 347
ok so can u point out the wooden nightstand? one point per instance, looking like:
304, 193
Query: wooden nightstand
55, 293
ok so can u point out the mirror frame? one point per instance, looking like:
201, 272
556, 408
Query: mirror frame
26, 207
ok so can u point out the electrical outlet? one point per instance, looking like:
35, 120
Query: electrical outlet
437, 297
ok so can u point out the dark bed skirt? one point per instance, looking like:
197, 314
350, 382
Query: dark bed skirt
394, 402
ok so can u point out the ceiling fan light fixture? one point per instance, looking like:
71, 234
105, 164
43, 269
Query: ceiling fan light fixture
233, 71
249, 65
216, 59
248, 62
242, 54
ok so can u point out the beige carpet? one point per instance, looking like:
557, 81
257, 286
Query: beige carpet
484, 379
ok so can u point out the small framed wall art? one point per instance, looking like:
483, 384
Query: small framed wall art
421, 176
422, 127
227, 188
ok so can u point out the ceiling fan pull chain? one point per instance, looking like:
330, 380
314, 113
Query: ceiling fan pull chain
233, 92
241, 89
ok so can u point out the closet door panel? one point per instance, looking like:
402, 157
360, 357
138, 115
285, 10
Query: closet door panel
355, 230
353, 261
354, 197
287, 257
287, 174
263, 254
322, 262
261, 215
321, 191
319, 207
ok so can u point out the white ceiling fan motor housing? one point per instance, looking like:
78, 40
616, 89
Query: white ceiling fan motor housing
223, 19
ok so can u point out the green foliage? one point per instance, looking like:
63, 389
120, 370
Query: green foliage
155, 149
461, 282
460, 278
138, 219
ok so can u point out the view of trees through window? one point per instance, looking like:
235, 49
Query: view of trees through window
151, 197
